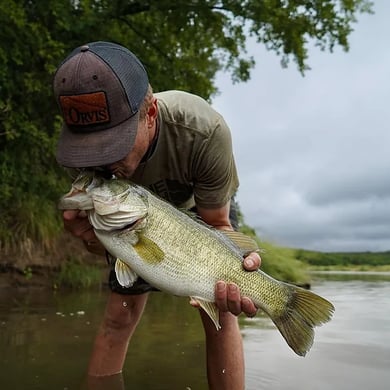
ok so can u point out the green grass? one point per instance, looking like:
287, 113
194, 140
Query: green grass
77, 275
278, 262
350, 267
282, 264
353, 261
30, 223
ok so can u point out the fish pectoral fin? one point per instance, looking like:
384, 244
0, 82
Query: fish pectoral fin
125, 275
210, 308
245, 243
148, 250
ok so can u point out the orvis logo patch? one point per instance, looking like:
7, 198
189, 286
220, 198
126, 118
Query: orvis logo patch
85, 110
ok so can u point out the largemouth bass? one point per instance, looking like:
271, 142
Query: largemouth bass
178, 254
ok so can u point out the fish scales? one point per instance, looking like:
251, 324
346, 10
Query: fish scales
171, 233
177, 254
210, 257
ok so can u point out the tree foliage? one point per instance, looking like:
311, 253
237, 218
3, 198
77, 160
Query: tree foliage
183, 44
343, 259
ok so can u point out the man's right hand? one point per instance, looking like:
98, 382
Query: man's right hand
76, 222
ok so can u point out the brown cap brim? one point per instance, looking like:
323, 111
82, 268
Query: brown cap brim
96, 148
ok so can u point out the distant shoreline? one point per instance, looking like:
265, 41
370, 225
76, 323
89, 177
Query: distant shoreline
348, 272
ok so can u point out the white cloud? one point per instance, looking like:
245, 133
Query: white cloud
312, 152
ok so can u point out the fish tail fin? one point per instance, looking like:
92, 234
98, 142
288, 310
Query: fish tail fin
304, 311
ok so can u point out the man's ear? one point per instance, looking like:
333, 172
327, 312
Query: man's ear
151, 115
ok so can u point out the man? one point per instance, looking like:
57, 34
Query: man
173, 143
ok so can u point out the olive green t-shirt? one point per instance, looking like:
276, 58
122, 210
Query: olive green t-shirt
192, 162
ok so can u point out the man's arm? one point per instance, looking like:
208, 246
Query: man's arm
227, 296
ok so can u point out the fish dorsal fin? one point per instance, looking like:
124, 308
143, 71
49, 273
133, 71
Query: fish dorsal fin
210, 308
245, 243
148, 250
125, 275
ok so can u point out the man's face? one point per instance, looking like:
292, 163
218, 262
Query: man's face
126, 167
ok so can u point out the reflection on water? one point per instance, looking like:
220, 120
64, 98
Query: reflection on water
45, 341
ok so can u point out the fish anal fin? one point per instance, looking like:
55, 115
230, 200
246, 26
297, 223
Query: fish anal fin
125, 275
148, 250
211, 309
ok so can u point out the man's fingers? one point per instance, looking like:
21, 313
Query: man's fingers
234, 299
69, 215
252, 262
76, 222
248, 307
220, 296
228, 299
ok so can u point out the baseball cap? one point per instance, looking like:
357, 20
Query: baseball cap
99, 88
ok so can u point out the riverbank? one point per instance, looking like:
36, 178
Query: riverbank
351, 268
65, 263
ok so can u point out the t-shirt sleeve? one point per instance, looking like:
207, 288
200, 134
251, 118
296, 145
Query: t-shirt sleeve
214, 169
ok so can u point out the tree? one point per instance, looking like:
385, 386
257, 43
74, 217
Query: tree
183, 44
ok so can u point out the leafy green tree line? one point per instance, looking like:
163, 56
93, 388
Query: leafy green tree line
344, 258
183, 44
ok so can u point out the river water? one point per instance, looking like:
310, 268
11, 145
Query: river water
46, 338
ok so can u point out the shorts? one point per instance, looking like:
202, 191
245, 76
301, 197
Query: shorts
141, 286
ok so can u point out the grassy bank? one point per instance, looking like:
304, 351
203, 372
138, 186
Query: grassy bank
75, 274
345, 261
351, 267
279, 262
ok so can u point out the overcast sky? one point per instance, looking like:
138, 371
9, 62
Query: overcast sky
313, 152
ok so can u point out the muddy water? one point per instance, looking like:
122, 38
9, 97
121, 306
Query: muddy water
46, 338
